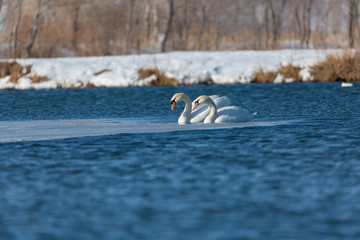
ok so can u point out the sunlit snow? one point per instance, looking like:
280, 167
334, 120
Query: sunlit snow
187, 67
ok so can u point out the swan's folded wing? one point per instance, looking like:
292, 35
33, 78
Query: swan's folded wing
233, 114
222, 102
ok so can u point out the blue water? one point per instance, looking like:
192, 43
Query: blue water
293, 173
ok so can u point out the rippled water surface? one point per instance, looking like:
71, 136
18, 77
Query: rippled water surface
113, 164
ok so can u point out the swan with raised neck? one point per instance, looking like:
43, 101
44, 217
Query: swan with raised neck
223, 114
186, 114
213, 111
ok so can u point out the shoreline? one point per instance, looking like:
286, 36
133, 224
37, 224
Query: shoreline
178, 69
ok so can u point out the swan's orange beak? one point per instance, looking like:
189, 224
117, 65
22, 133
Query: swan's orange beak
196, 104
173, 103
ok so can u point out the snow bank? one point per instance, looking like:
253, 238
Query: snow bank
186, 67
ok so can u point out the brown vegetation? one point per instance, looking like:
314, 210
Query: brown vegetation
288, 71
264, 77
344, 66
90, 85
160, 80
102, 71
39, 28
16, 71
38, 79
339, 67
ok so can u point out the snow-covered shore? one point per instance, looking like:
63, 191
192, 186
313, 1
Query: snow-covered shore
187, 67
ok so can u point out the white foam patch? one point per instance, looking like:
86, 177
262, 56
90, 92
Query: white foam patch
19, 131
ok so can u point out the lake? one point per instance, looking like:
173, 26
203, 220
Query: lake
114, 164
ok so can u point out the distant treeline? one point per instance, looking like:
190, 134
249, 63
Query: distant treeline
55, 28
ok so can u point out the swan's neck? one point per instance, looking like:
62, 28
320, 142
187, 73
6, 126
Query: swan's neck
213, 112
186, 114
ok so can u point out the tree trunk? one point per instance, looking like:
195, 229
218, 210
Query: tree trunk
169, 24
201, 43
155, 20
128, 27
267, 27
308, 22
74, 42
275, 22
183, 27
256, 28
353, 20
147, 22
33, 30
16, 29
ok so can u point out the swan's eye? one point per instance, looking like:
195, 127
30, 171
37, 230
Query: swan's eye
172, 101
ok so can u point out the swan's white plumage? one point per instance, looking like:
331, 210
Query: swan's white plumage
201, 112
223, 114
186, 114
233, 114
346, 84
200, 115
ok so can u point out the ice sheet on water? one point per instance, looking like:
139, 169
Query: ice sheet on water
15, 131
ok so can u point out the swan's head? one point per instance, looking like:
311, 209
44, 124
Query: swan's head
177, 98
202, 99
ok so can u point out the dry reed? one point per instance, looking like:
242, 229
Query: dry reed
344, 66
14, 70
161, 78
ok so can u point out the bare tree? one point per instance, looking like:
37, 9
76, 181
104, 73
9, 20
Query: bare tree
182, 26
353, 20
169, 25
302, 17
147, 20
256, 26
33, 30
129, 26
276, 20
45, 28
267, 25
16, 28
75, 12
307, 17
155, 20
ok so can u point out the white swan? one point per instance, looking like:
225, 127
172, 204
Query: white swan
224, 114
200, 113
346, 84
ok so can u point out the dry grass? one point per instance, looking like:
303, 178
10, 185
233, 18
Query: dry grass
102, 71
161, 78
14, 70
90, 85
264, 77
338, 67
38, 79
288, 71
